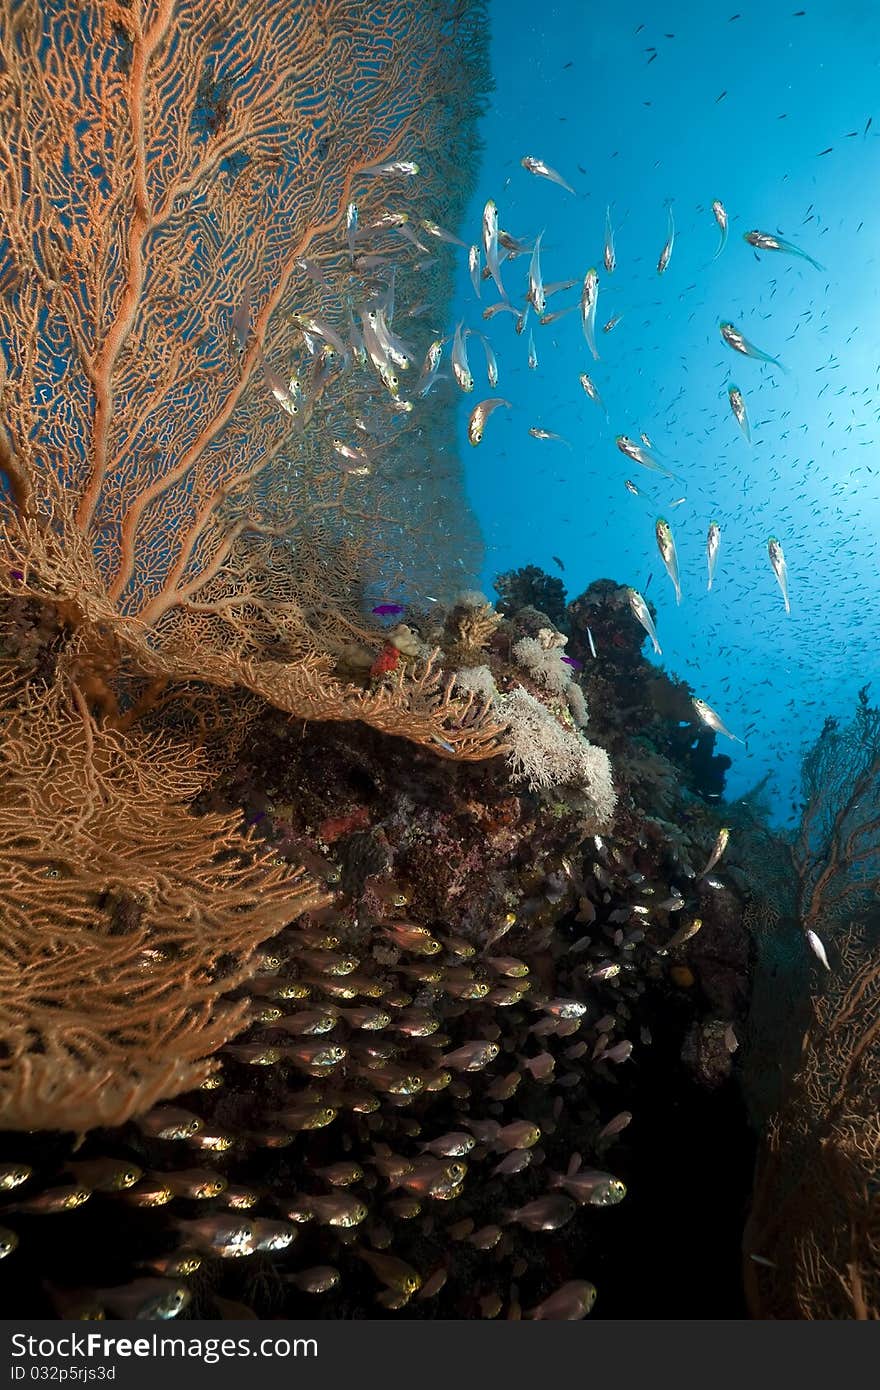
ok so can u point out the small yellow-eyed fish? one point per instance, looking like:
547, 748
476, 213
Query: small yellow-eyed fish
666, 546
777, 560
460, 368
764, 241
736, 340
817, 948
738, 406
717, 850
54, 1199
285, 393
13, 1175
474, 268
536, 296
145, 1299
612, 323
639, 492
641, 614
570, 1303
106, 1174
589, 300
351, 227
318, 1279
615, 1126
472, 1056
538, 433
544, 1214
684, 932
591, 390
643, 456
390, 1271
430, 368
491, 360
537, 166
609, 257
441, 233
721, 218
713, 543
220, 1235
480, 414
711, 719
666, 253
533, 356
490, 245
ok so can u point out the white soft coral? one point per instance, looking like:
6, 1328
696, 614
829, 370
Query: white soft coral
544, 754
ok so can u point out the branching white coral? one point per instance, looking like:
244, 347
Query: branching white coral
479, 680
543, 754
577, 703
544, 664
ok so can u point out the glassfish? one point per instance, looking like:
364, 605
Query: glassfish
666, 546
737, 340
764, 241
542, 170
642, 614
712, 720
713, 542
721, 218
738, 406
777, 560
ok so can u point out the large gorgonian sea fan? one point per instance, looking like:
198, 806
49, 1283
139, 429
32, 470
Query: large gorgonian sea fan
173, 207
126, 918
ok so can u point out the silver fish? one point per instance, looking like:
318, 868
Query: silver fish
351, 227
643, 456
736, 340
712, 720
491, 361
738, 406
717, 850
713, 543
569, 1303
591, 390
589, 300
479, 416
406, 168
666, 253
490, 245
817, 948
642, 615
536, 288
609, 257
474, 268
764, 241
542, 170
441, 233
666, 546
460, 368
780, 569
721, 218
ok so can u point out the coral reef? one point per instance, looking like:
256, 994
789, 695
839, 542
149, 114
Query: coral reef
531, 587
811, 1246
426, 1052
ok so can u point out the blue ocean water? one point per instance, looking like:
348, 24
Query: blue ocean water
768, 109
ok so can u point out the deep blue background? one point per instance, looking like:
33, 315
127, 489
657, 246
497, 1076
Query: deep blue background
574, 86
